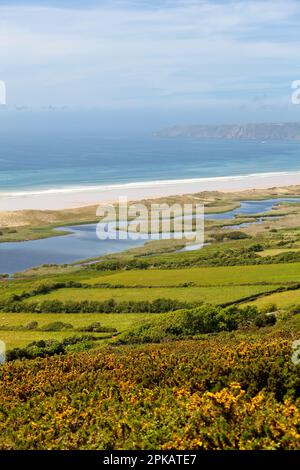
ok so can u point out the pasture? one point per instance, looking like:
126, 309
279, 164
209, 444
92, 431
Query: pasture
211, 276
281, 299
212, 294
16, 338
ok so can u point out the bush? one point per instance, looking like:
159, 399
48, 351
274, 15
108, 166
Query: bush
256, 248
215, 394
57, 326
85, 306
233, 235
188, 323
96, 327
31, 325
294, 309
269, 308
265, 319
35, 349
45, 348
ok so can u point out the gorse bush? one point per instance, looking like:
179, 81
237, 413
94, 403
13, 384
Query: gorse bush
210, 394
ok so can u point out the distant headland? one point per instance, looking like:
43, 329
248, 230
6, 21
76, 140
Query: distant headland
262, 131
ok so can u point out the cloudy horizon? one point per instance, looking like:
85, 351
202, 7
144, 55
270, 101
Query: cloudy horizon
187, 58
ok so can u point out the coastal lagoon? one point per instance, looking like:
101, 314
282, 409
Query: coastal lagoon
82, 243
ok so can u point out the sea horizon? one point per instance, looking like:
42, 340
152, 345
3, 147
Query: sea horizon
81, 163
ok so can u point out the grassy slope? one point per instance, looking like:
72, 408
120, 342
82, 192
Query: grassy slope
277, 273
216, 295
20, 338
282, 299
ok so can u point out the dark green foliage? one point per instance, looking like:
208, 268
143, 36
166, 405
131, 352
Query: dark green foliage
44, 348
188, 323
94, 306
217, 257
257, 247
294, 309
57, 326
45, 288
234, 235
36, 349
96, 327
265, 319
116, 265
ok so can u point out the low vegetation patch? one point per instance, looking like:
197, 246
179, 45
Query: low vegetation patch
201, 320
94, 306
211, 394
51, 347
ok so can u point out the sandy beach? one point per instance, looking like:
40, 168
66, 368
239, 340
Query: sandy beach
67, 198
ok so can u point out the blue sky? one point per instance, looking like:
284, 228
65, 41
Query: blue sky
188, 60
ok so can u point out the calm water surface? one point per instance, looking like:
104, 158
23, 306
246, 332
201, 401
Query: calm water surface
82, 242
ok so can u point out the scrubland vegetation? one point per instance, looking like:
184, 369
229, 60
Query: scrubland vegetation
152, 349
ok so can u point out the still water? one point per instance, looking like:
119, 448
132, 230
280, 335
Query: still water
82, 243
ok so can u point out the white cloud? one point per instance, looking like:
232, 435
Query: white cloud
139, 55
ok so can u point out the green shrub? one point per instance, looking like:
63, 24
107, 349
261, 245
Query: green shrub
233, 235
294, 309
265, 319
57, 326
51, 347
96, 327
35, 349
31, 325
94, 306
188, 323
269, 308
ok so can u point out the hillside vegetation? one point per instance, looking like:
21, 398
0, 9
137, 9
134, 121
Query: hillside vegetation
156, 348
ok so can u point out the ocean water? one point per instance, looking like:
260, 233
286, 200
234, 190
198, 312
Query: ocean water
42, 160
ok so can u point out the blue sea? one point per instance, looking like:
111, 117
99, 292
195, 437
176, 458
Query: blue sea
44, 160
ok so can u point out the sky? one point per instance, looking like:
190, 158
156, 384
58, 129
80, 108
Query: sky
157, 62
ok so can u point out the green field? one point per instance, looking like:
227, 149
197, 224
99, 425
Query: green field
277, 273
281, 299
217, 295
276, 251
20, 338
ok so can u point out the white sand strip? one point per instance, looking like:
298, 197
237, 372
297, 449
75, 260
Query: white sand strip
65, 198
